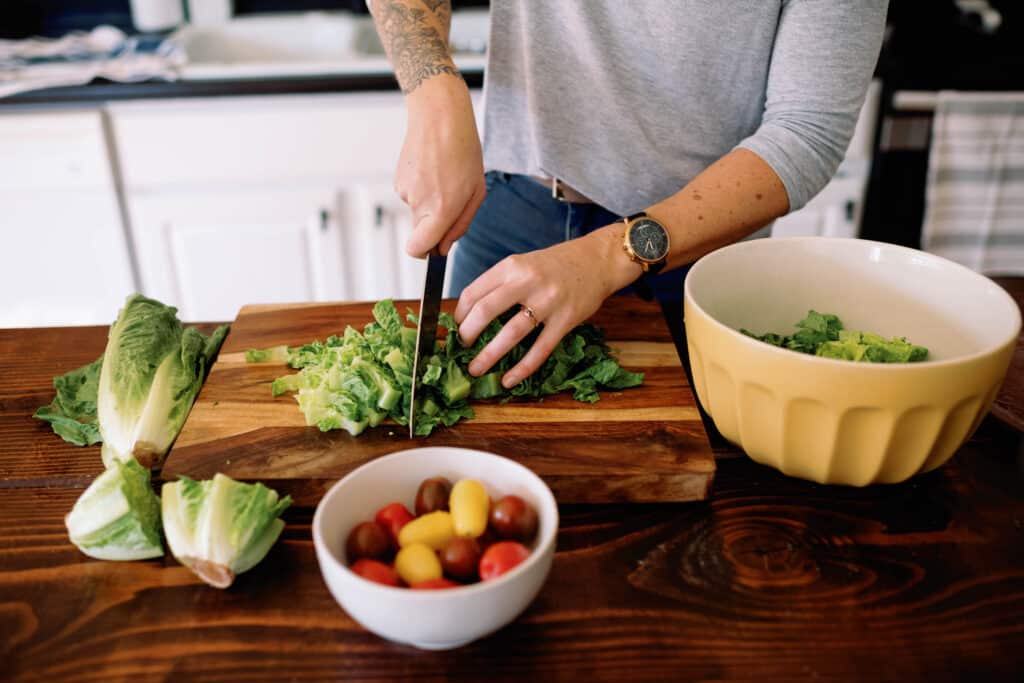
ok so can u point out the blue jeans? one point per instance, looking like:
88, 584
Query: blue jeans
520, 215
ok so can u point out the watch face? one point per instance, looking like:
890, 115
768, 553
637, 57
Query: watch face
648, 239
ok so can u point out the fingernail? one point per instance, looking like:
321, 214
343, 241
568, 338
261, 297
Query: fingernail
510, 380
474, 369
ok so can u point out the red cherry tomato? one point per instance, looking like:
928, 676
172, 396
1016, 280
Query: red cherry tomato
393, 517
377, 572
500, 558
434, 584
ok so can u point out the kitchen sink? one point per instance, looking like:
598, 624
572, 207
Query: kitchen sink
308, 44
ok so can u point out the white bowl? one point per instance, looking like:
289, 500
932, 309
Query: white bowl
431, 619
836, 421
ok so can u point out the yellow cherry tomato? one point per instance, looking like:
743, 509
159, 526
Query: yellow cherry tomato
433, 529
469, 506
417, 562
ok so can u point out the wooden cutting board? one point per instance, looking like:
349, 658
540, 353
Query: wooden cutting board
645, 444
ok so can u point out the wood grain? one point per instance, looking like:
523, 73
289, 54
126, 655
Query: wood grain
645, 444
774, 578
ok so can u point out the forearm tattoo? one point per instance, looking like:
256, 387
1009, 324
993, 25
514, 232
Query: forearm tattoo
416, 48
442, 9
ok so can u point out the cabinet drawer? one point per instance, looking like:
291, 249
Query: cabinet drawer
258, 141
53, 150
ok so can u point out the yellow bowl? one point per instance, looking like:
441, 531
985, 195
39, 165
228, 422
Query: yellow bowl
835, 421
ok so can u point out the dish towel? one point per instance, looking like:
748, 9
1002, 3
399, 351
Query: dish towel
79, 57
974, 197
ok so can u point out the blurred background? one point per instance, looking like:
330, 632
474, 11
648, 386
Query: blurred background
212, 153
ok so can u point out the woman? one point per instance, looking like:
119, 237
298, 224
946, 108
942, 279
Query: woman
699, 121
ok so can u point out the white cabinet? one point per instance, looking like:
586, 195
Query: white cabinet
66, 254
269, 199
210, 253
375, 227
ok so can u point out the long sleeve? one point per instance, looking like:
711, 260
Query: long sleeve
821, 65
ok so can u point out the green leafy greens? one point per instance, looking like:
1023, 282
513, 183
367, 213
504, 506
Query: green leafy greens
360, 379
822, 334
153, 367
220, 527
72, 413
136, 396
118, 516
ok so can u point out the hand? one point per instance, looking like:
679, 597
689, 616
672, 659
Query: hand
563, 285
440, 172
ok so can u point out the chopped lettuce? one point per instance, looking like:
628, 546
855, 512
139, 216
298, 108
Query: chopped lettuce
118, 516
220, 528
822, 334
359, 379
152, 369
72, 413
275, 354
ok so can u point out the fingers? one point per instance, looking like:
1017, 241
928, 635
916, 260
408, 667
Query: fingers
462, 223
513, 332
434, 224
427, 230
492, 279
542, 347
499, 299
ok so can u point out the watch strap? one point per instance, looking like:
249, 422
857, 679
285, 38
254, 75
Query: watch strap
643, 288
655, 268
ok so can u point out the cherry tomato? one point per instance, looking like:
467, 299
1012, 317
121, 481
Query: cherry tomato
416, 563
393, 517
375, 571
434, 584
500, 558
433, 495
469, 505
514, 518
367, 539
487, 539
460, 558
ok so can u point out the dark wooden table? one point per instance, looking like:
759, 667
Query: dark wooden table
771, 578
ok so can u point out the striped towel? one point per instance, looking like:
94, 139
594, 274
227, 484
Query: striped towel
974, 199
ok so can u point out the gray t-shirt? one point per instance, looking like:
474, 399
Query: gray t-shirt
628, 100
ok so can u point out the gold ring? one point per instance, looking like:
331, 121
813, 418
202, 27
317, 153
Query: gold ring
528, 312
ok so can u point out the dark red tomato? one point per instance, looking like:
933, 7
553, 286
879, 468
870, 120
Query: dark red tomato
500, 558
487, 538
459, 559
432, 495
393, 517
434, 584
378, 572
513, 518
367, 539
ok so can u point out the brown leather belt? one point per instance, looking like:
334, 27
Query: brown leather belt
561, 191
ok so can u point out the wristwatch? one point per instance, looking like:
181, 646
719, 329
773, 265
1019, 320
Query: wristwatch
646, 242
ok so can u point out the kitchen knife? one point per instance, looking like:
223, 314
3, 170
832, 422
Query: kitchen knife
426, 330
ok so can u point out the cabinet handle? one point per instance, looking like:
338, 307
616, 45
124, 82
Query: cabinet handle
378, 215
324, 219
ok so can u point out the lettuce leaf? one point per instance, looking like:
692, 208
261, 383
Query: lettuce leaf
72, 413
822, 334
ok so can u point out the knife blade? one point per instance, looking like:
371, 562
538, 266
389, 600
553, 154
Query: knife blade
426, 329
